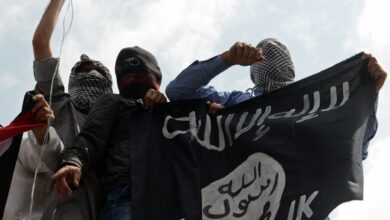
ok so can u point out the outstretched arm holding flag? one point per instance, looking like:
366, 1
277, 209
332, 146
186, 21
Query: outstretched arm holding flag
31, 155
271, 67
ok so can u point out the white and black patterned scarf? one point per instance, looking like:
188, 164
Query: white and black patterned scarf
86, 86
277, 70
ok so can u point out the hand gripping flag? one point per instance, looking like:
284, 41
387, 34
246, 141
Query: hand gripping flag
291, 154
10, 139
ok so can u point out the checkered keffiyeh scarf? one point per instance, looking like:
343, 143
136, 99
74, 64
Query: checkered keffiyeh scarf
277, 70
85, 87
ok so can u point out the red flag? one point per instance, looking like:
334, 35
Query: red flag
10, 139
20, 124
24, 122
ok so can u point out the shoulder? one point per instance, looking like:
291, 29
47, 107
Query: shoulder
108, 98
46, 61
116, 98
110, 102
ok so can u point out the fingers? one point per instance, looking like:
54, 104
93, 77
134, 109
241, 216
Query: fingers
148, 99
61, 178
214, 107
160, 98
64, 187
44, 114
42, 110
259, 55
251, 53
244, 54
58, 190
239, 49
38, 97
366, 56
151, 97
55, 188
245, 50
61, 186
255, 55
39, 102
373, 67
376, 71
76, 179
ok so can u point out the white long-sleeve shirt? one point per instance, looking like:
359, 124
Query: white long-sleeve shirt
19, 196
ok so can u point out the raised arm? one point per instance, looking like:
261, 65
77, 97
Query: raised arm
44, 31
192, 79
191, 82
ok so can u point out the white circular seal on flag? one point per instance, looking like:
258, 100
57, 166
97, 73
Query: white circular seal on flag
251, 191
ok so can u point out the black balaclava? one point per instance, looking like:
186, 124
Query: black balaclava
137, 71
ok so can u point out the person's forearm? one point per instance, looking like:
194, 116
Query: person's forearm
226, 58
44, 30
39, 134
194, 77
90, 144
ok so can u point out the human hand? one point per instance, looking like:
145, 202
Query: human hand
42, 113
214, 107
153, 96
243, 54
376, 71
62, 176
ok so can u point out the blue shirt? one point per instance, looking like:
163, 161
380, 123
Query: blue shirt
192, 83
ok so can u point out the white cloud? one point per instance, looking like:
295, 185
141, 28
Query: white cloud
175, 31
178, 32
16, 15
376, 187
302, 28
374, 27
7, 81
373, 31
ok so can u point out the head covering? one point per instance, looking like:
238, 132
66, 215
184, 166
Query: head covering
135, 60
87, 84
277, 70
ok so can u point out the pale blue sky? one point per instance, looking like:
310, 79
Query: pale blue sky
319, 33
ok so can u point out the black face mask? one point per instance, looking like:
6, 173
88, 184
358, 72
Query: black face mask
135, 90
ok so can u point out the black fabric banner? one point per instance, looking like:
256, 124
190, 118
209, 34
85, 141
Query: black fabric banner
288, 155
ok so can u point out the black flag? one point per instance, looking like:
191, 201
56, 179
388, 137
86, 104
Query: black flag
292, 154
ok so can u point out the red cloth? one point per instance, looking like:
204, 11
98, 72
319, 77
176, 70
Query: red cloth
20, 124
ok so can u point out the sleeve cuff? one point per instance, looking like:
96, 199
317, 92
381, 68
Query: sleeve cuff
73, 162
44, 69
